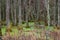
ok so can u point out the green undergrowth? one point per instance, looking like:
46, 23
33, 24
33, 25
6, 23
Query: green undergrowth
15, 30
31, 24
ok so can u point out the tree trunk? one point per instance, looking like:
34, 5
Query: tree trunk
58, 4
48, 17
12, 11
35, 12
20, 20
54, 12
38, 11
0, 19
15, 3
48, 14
27, 11
8, 15
7, 12
56, 15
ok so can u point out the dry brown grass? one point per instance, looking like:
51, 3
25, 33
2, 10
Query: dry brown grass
31, 35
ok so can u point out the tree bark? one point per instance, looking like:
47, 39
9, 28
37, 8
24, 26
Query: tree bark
20, 14
0, 19
27, 11
48, 17
12, 11
54, 12
7, 12
15, 3
58, 4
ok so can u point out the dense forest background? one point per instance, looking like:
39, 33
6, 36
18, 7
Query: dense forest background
18, 11
39, 13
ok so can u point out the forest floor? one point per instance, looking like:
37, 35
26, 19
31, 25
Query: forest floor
30, 34
49, 33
